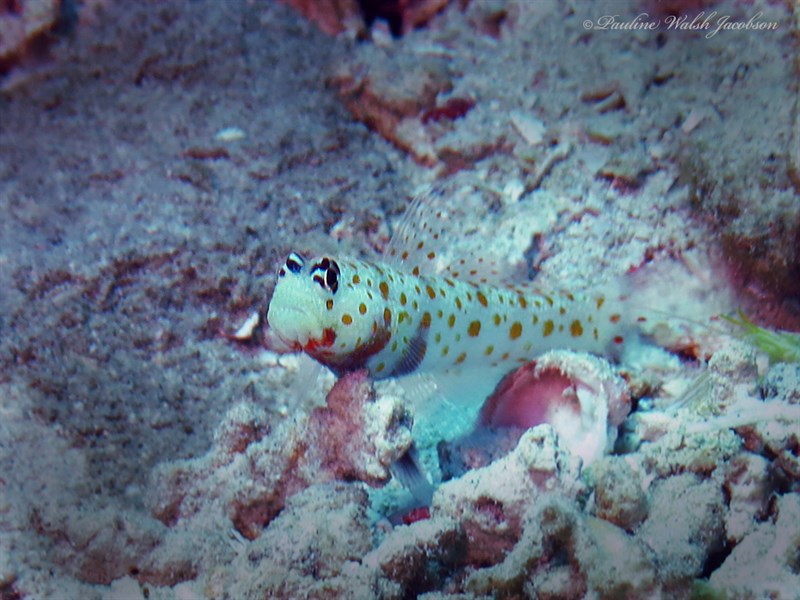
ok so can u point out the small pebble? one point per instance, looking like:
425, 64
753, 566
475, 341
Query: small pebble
229, 134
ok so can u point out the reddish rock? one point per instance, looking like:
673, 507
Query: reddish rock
21, 25
331, 16
389, 97
255, 465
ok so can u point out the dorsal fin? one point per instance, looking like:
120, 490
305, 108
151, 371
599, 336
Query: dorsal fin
431, 238
418, 226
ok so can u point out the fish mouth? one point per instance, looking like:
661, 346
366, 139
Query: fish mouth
289, 311
293, 325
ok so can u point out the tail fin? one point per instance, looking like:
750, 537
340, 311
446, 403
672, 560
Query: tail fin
674, 303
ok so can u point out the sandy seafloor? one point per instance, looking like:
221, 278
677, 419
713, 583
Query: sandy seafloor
145, 455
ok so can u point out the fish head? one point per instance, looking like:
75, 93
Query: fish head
315, 307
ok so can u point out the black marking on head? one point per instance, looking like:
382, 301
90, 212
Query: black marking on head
295, 262
326, 273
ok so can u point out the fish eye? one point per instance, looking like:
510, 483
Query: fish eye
294, 262
332, 280
329, 278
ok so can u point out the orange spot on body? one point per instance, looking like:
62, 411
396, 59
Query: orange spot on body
482, 298
347, 319
461, 358
548, 328
431, 292
384, 288
515, 331
451, 320
362, 308
576, 329
426, 320
329, 304
474, 328
615, 318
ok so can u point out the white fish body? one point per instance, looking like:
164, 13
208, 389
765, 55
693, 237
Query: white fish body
351, 314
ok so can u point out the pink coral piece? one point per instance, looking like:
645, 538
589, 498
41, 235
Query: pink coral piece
525, 398
578, 394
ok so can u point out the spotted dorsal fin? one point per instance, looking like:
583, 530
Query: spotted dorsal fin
417, 235
431, 237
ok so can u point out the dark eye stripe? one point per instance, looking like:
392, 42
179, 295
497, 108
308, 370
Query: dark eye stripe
329, 278
332, 280
294, 262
